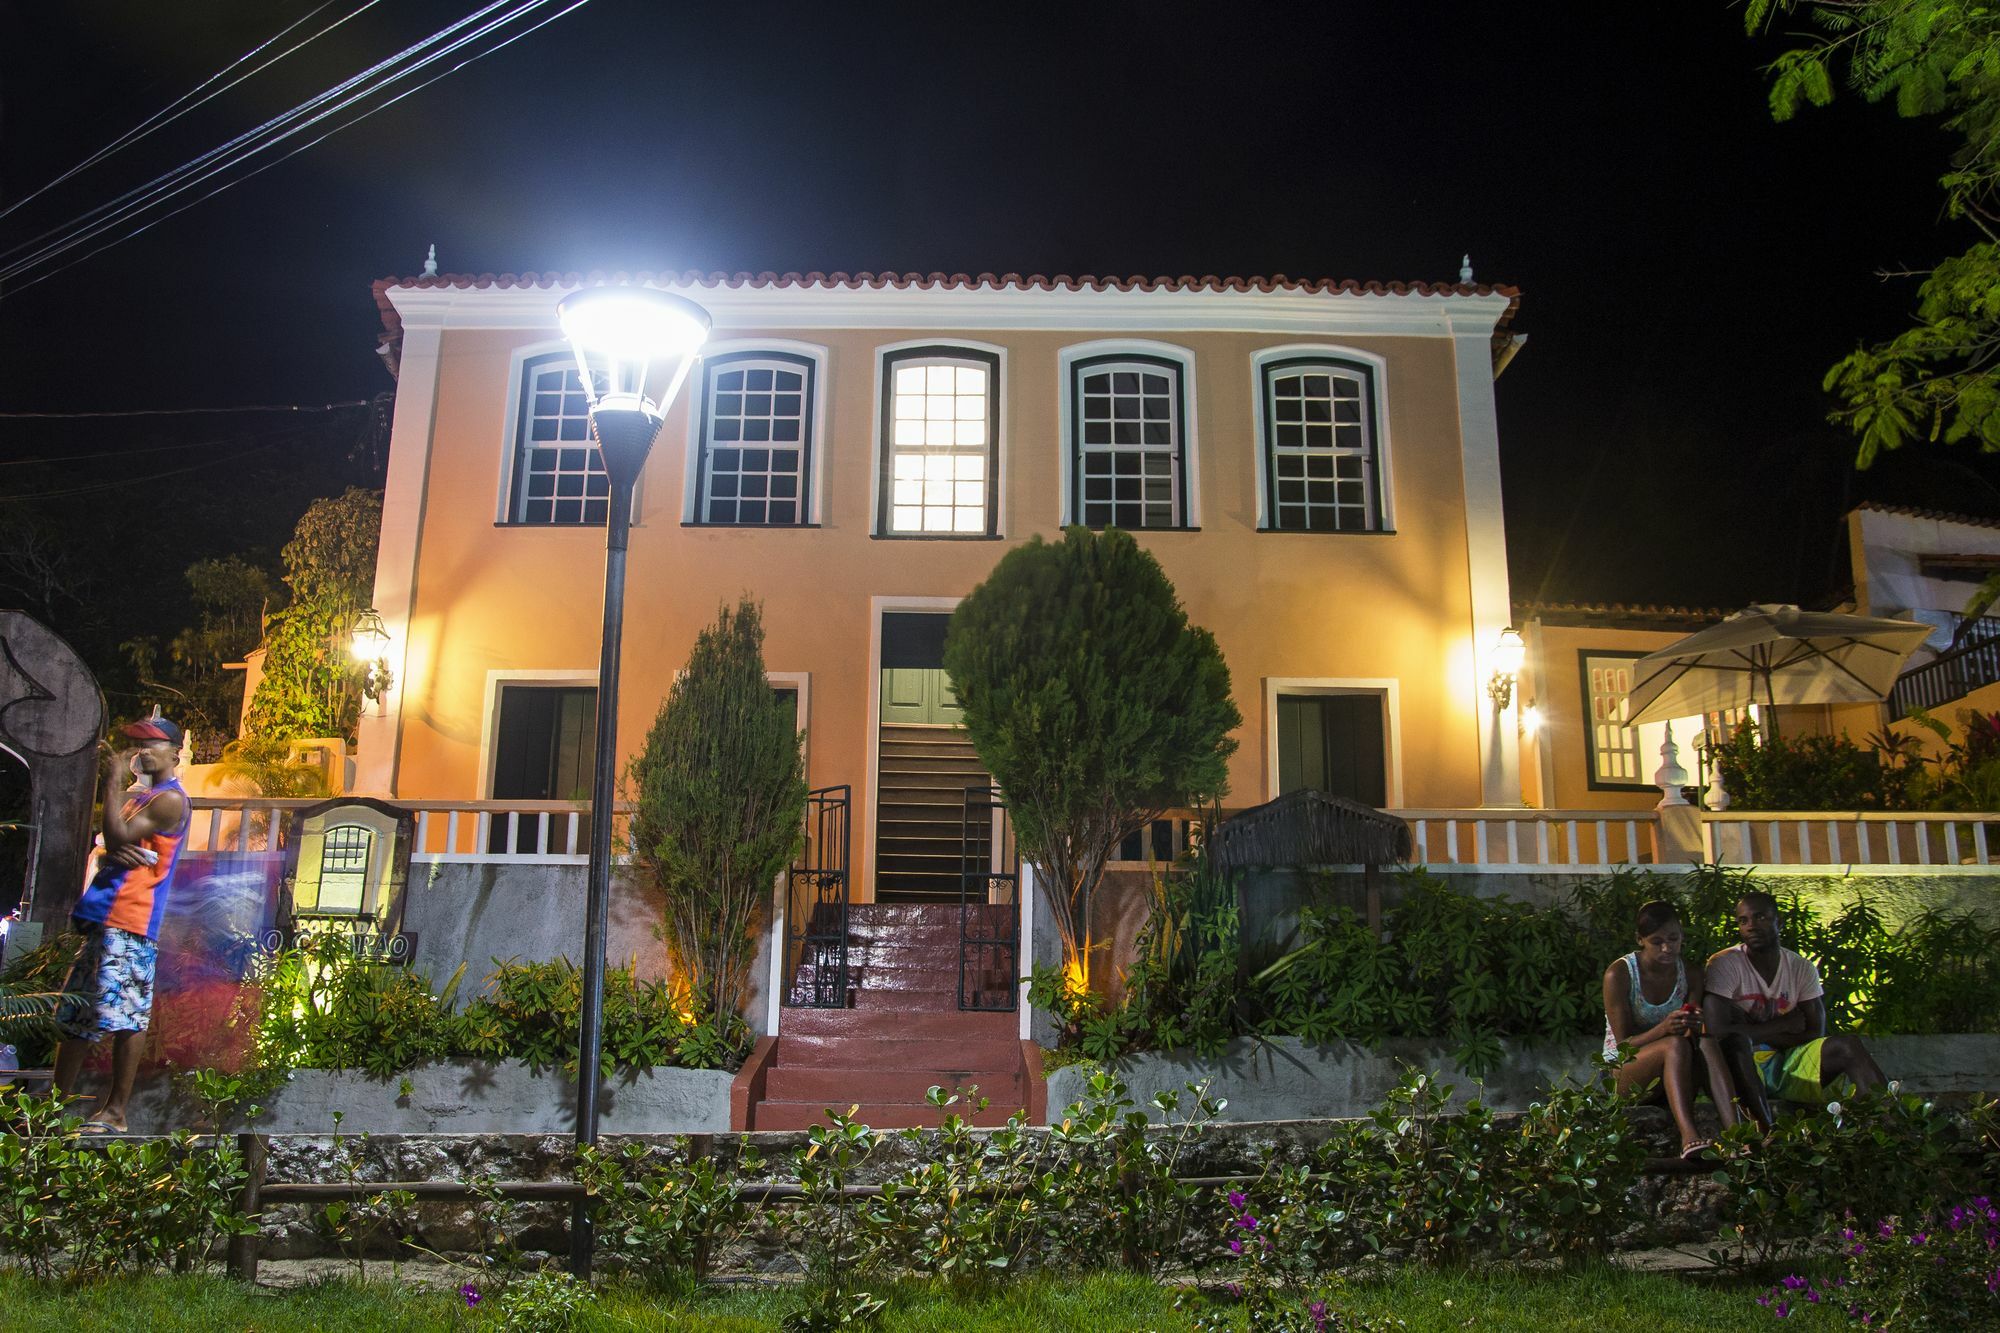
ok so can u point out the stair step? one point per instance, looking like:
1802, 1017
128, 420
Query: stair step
811, 1049
876, 1115
832, 1085
855, 1023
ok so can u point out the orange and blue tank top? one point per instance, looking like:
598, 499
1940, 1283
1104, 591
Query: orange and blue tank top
133, 898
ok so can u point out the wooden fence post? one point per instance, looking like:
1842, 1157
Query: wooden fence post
249, 1203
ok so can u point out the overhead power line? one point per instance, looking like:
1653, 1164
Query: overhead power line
343, 97
181, 105
188, 411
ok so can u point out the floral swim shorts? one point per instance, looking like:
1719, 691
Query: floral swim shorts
112, 982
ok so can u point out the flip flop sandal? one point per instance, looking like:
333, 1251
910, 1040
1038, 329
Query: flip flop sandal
1695, 1149
98, 1128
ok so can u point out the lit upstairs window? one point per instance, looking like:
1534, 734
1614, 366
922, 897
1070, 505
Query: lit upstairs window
940, 446
558, 477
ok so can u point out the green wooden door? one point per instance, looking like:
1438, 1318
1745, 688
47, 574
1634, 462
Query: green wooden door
920, 696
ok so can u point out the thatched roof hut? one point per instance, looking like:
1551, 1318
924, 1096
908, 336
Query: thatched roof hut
1309, 828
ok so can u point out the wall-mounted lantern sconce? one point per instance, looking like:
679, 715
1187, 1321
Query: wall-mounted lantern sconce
1508, 656
370, 645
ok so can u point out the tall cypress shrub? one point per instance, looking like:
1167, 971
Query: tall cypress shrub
720, 805
1094, 703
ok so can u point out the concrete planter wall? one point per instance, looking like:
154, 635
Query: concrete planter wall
1288, 1079
469, 1097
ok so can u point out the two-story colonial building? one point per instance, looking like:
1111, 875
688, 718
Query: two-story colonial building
1315, 464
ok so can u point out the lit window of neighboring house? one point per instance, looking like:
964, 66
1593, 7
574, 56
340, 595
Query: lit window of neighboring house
1320, 440
1128, 454
1624, 756
756, 440
940, 443
558, 476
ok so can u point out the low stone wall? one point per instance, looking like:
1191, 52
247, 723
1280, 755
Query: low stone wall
467, 1097
1283, 1078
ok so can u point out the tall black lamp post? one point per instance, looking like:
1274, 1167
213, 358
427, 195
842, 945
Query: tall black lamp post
619, 334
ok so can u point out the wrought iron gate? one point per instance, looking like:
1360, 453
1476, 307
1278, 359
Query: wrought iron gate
989, 905
816, 894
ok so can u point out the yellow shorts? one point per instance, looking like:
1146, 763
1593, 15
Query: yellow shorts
1793, 1073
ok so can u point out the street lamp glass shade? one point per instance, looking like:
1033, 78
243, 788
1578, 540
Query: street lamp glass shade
617, 333
370, 637
1509, 653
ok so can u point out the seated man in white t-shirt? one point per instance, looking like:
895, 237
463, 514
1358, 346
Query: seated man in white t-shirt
1767, 996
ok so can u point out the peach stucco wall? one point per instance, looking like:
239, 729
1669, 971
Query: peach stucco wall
1560, 750
526, 600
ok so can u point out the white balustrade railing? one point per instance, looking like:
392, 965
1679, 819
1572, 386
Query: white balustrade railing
1520, 841
1482, 840
514, 832
1925, 841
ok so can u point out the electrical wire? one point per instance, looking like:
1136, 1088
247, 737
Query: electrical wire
174, 110
136, 231
189, 411
143, 478
343, 94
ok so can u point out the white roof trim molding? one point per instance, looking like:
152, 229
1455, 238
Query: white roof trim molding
1337, 313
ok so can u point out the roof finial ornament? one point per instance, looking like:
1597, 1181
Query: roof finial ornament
1465, 271
431, 262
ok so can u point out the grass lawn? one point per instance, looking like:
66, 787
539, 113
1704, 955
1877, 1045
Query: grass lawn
1601, 1300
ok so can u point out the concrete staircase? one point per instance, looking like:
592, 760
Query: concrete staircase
920, 812
904, 1035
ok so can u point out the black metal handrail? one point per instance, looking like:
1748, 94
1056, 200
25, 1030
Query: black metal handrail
1952, 675
989, 905
816, 901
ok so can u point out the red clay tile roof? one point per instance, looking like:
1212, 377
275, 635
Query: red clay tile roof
1614, 615
1943, 515
948, 281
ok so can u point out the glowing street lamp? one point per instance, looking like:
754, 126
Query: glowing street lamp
369, 642
619, 335
1509, 654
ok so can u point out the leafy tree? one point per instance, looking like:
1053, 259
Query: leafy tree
231, 597
1937, 380
1092, 701
720, 811
311, 685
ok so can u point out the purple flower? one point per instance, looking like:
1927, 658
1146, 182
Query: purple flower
1993, 1282
1236, 1200
1793, 1282
1782, 1310
471, 1295
1887, 1228
1236, 1247
1920, 1238
1812, 1294
1317, 1310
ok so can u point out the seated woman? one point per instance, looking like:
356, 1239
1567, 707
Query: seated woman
1665, 1034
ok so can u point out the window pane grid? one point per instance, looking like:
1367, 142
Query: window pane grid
754, 459
1614, 744
561, 477
1128, 433
1322, 450
939, 448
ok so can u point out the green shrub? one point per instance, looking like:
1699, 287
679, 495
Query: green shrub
664, 1220
547, 1302
1814, 773
89, 1209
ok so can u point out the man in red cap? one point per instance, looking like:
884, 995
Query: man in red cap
119, 913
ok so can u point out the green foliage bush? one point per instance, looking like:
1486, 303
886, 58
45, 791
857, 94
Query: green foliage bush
719, 808
319, 1006
1093, 702
1815, 773
1477, 971
664, 1219
311, 684
86, 1209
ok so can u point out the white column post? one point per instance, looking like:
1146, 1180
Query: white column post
380, 735
1485, 551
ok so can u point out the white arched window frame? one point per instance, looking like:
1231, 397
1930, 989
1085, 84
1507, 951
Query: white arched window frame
809, 358
940, 481
1132, 356
523, 459
1358, 493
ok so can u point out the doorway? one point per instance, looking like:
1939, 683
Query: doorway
925, 764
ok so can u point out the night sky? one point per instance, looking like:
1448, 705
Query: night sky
1688, 268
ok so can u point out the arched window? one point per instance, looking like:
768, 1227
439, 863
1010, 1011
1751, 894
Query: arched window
940, 443
1321, 441
756, 440
1128, 442
342, 888
558, 476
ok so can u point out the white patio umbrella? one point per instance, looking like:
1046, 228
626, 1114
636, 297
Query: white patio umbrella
1771, 654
